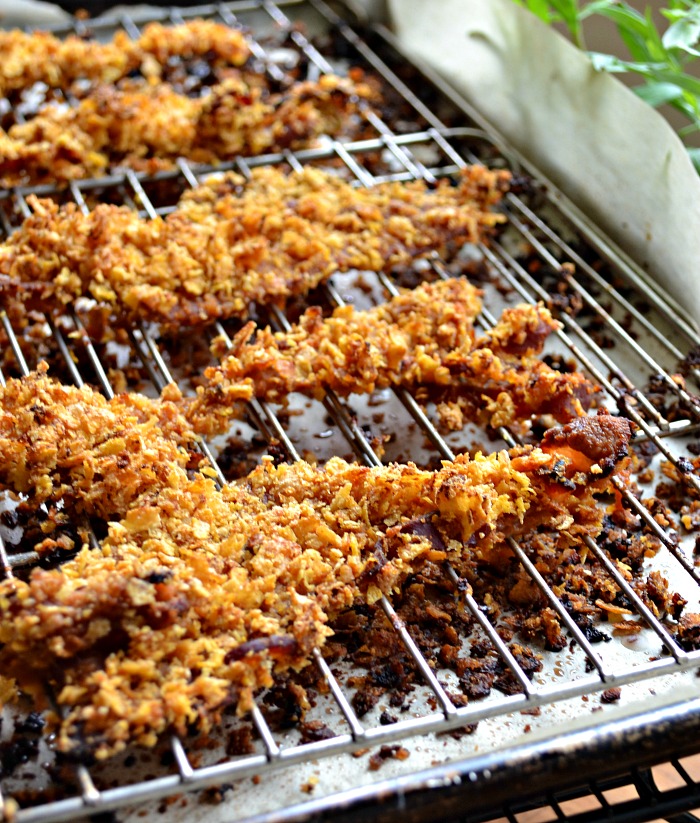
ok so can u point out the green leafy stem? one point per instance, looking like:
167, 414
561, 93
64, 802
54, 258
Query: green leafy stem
661, 60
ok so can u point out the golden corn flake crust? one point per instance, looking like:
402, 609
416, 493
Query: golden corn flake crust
422, 339
58, 441
198, 595
231, 242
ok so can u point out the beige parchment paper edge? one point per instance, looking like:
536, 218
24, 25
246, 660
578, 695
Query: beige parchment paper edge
616, 158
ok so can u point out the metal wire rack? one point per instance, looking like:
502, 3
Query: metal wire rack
649, 336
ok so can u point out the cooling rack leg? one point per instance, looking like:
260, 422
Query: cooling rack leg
649, 791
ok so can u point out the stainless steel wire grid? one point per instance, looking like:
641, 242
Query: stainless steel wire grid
626, 334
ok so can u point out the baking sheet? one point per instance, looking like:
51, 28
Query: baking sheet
321, 778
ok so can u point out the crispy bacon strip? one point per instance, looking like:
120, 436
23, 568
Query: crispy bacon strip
424, 339
42, 57
149, 128
199, 595
401, 342
232, 242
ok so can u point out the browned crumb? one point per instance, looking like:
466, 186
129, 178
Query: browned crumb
611, 695
395, 752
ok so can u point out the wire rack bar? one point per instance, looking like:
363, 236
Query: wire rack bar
582, 265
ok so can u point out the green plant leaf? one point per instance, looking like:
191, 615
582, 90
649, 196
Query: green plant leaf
637, 31
614, 65
538, 7
541, 9
628, 18
661, 60
568, 11
638, 47
595, 7
656, 94
686, 81
684, 32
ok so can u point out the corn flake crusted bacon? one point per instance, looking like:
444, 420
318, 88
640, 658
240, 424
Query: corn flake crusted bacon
42, 57
422, 340
401, 342
199, 595
230, 242
149, 128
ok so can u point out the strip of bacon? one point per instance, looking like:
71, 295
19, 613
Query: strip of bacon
422, 340
149, 128
231, 242
42, 57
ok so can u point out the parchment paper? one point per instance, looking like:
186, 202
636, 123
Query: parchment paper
614, 156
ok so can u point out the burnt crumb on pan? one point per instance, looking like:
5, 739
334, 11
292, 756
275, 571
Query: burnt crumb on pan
366, 697
546, 622
690, 361
529, 662
611, 695
477, 680
656, 594
688, 631
17, 752
563, 301
395, 752
284, 705
690, 516
583, 615
239, 741
462, 731
314, 730
664, 397
33, 723
309, 786
215, 795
